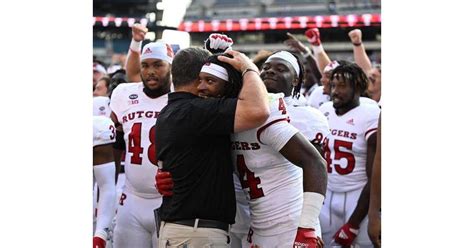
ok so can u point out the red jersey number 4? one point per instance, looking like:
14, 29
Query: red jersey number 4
248, 180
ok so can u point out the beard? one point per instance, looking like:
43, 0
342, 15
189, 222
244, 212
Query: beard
162, 87
343, 106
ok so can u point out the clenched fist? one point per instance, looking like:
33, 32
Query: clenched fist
218, 43
356, 36
138, 32
313, 37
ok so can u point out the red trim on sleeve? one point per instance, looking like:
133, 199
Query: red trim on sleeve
369, 131
260, 130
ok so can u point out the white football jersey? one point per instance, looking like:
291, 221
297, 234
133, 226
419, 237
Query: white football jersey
346, 150
137, 113
366, 100
273, 185
100, 106
242, 213
308, 120
104, 130
309, 91
317, 98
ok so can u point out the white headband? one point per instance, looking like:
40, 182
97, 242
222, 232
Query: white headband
216, 70
157, 50
99, 68
287, 57
331, 66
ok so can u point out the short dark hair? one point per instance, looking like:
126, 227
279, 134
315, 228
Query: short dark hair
118, 77
352, 74
234, 84
187, 64
106, 79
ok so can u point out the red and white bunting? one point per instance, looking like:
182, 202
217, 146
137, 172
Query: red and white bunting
118, 21
214, 23
260, 23
105, 21
319, 21
303, 20
269, 23
334, 21
351, 19
243, 23
131, 21
229, 24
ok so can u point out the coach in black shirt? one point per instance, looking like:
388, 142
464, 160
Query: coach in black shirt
192, 141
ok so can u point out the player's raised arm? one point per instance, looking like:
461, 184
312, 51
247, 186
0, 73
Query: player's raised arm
132, 65
252, 105
360, 56
218, 43
322, 59
294, 43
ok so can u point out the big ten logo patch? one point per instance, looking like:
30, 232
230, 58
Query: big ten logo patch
133, 99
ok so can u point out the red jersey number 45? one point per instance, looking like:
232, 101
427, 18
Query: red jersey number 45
338, 155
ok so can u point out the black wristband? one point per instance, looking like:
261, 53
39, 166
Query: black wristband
357, 44
247, 70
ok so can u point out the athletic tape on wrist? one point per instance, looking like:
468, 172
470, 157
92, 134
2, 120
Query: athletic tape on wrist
101, 234
312, 204
318, 49
136, 46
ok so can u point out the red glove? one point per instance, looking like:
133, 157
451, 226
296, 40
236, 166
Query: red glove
164, 183
306, 237
312, 35
346, 235
98, 242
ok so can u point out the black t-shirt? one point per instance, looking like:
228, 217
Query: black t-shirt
193, 141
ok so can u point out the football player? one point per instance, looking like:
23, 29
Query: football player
349, 152
135, 107
265, 158
104, 175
